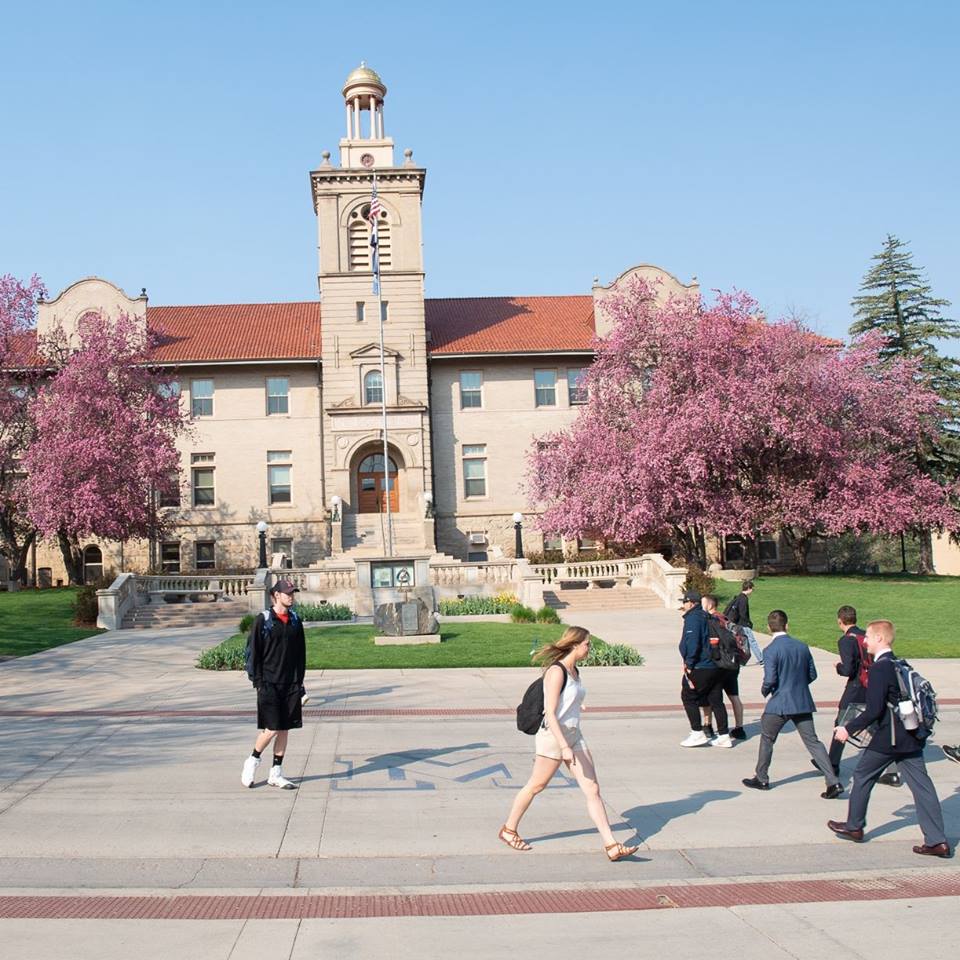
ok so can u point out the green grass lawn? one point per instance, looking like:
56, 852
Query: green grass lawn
33, 620
473, 644
923, 609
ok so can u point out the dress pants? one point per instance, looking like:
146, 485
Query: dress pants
914, 772
770, 726
707, 688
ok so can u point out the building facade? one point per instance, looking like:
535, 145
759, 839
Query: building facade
287, 399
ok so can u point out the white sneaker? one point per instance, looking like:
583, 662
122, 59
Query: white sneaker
697, 738
277, 779
249, 770
304, 698
723, 740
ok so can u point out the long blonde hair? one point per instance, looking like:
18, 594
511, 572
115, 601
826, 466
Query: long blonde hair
550, 653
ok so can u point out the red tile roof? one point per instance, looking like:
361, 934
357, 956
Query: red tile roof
509, 324
291, 331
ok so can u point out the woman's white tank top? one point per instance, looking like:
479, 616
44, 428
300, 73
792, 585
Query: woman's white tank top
571, 699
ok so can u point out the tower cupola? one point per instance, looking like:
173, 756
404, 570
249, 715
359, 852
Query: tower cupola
366, 144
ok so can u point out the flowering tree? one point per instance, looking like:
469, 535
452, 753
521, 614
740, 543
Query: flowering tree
712, 419
106, 426
18, 304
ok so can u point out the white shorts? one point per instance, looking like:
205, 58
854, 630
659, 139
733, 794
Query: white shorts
546, 745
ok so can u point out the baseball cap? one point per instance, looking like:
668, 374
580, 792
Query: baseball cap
691, 596
284, 586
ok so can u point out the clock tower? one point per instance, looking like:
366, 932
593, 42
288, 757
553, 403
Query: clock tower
351, 316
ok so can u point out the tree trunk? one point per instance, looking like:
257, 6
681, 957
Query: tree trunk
925, 561
799, 543
14, 550
72, 558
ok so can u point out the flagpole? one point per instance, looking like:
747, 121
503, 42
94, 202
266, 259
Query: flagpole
383, 373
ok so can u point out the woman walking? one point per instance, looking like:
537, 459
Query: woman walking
559, 740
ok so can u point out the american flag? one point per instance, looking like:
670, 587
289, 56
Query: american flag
374, 216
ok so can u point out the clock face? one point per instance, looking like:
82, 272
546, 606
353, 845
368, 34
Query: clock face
367, 160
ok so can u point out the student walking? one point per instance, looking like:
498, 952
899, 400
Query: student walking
891, 741
702, 681
560, 740
737, 612
787, 674
276, 665
731, 678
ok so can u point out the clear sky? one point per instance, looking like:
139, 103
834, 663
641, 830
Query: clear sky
768, 146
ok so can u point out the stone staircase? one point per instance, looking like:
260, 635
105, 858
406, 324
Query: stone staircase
202, 613
364, 535
601, 598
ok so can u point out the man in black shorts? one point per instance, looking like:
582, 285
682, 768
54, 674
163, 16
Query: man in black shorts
276, 661
731, 680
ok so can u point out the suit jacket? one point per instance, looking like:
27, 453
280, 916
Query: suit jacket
883, 688
788, 671
849, 667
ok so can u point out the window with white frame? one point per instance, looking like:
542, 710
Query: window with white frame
545, 387
471, 389
278, 395
169, 390
170, 491
361, 311
552, 543
170, 556
201, 398
384, 310
576, 390
372, 387
283, 545
204, 555
279, 469
474, 469
202, 477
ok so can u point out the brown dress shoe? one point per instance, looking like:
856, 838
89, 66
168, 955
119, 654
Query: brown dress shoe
937, 850
841, 830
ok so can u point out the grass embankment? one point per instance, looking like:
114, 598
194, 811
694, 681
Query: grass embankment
923, 609
351, 647
34, 620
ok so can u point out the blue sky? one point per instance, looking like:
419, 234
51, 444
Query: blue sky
764, 146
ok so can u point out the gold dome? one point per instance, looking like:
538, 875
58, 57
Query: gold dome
364, 76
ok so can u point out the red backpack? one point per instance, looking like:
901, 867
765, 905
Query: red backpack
866, 661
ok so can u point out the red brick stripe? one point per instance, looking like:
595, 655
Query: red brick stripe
295, 907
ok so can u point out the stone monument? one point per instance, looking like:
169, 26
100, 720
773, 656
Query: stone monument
408, 621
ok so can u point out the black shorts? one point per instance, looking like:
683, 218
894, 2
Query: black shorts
731, 682
279, 707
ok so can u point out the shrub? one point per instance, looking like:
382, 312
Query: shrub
324, 611
85, 607
246, 622
547, 615
229, 655
478, 606
521, 614
612, 655
699, 580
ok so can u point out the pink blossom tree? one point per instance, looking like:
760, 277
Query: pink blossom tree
105, 443
711, 419
18, 306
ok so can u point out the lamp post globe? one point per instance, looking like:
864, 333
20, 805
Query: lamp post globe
262, 533
518, 534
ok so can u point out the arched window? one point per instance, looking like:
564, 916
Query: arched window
92, 564
358, 239
373, 387
374, 464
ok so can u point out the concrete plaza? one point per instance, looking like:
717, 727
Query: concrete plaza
124, 828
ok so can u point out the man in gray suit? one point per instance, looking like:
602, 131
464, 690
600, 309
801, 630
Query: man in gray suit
788, 671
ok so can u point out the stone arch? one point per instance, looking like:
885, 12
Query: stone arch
368, 486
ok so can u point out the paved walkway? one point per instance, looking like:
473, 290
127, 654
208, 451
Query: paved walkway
120, 802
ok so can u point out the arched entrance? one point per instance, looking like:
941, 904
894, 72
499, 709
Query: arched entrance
92, 564
373, 486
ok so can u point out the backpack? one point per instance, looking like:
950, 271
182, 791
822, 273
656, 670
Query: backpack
919, 691
866, 661
267, 622
724, 651
730, 608
531, 710
743, 645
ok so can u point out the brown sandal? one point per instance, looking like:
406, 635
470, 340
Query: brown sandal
620, 851
513, 839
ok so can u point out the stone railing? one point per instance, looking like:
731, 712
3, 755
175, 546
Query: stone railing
116, 601
492, 571
590, 570
665, 580
229, 585
326, 579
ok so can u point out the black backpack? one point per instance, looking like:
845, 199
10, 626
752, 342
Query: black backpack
731, 608
267, 624
530, 711
724, 649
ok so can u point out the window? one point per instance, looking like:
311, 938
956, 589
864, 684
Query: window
384, 304
169, 390
203, 493
391, 574
545, 387
358, 239
477, 556
361, 311
201, 398
586, 545
278, 475
576, 391
475, 470
373, 387
278, 395
552, 543
170, 556
471, 389
735, 549
170, 492
285, 546
92, 564
204, 555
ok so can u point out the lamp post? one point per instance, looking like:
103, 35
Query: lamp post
335, 502
517, 530
262, 532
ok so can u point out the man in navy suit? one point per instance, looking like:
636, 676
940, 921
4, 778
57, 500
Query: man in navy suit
788, 671
891, 741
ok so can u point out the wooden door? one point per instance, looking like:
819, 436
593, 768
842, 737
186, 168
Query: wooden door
372, 486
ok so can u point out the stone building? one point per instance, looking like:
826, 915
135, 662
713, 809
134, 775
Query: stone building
286, 397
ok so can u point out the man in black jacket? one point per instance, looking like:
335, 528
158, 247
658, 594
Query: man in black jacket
891, 741
852, 667
738, 613
276, 666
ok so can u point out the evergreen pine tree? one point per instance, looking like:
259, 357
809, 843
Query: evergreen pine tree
897, 301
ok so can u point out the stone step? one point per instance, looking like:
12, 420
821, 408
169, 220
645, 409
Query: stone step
599, 598
185, 614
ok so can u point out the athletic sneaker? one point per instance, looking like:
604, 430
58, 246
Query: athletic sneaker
277, 779
722, 741
304, 697
249, 770
951, 753
697, 738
